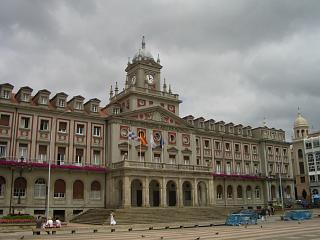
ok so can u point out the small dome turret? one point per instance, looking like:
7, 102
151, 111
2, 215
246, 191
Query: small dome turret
143, 53
300, 122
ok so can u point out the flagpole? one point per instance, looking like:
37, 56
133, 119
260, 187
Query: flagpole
128, 148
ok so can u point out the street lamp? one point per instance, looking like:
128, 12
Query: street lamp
49, 163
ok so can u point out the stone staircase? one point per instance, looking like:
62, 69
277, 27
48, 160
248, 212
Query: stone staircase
130, 216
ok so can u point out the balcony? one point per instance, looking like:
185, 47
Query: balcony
152, 165
33, 163
217, 153
228, 154
237, 155
207, 152
238, 176
246, 156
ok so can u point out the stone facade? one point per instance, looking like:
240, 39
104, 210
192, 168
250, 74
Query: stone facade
186, 162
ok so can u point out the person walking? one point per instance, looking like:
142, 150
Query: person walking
38, 224
112, 220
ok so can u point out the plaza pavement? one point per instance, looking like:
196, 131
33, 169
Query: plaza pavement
272, 229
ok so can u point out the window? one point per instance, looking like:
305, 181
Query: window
4, 120
254, 149
300, 153
247, 168
186, 160
308, 145
237, 147
20, 187
270, 150
59, 189
311, 163
302, 180
43, 100
62, 127
218, 167
316, 143
78, 105
3, 149
172, 159
40, 188
61, 155
229, 192
94, 108
246, 149
78, 190
141, 156
80, 129
284, 151
124, 155
239, 192
2, 186
42, 153
228, 167
238, 167
96, 157
206, 144
156, 157
248, 192
96, 131
79, 156
6, 94
256, 168
271, 168
217, 145
301, 167
24, 123
61, 103
257, 192
227, 146
219, 192
198, 161
312, 178
95, 192
277, 151
25, 97
23, 151
197, 142
44, 125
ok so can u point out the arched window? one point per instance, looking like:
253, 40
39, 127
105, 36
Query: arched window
249, 192
229, 192
78, 189
300, 153
257, 192
315, 192
20, 187
40, 188
239, 192
219, 192
95, 192
2, 186
59, 189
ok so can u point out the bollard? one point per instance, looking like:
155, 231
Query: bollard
151, 228
130, 229
95, 230
73, 231
113, 229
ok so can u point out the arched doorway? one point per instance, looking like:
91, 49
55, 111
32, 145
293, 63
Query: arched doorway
202, 194
171, 194
154, 193
273, 192
136, 193
187, 193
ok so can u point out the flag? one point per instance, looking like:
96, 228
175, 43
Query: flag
161, 142
152, 143
132, 136
142, 138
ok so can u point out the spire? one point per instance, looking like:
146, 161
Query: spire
116, 89
143, 44
128, 60
164, 85
111, 93
170, 89
158, 59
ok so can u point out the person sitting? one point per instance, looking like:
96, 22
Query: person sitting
49, 223
57, 223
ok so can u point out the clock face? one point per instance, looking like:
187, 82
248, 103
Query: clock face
133, 80
149, 79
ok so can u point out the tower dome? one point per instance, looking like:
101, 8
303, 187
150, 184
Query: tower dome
300, 122
143, 53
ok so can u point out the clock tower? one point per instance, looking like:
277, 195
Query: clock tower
144, 71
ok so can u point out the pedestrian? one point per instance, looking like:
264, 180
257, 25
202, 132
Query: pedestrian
112, 220
49, 223
263, 214
38, 224
57, 223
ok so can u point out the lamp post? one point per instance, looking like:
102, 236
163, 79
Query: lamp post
49, 162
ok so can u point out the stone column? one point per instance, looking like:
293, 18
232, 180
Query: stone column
126, 192
195, 193
180, 193
146, 193
211, 191
163, 193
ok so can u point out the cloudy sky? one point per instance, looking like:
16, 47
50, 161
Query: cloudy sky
237, 61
